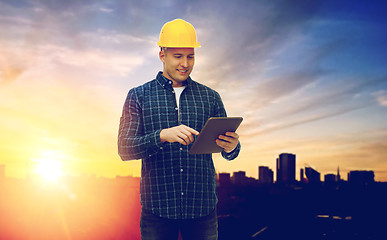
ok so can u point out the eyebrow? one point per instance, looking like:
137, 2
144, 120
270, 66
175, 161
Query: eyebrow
180, 54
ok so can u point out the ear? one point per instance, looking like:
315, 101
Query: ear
162, 56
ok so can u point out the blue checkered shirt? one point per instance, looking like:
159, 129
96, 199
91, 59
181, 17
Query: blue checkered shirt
174, 184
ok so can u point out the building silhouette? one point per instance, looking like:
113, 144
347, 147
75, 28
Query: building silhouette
239, 178
224, 179
338, 178
361, 177
286, 168
330, 178
302, 176
312, 175
265, 175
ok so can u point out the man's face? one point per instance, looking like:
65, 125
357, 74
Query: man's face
178, 64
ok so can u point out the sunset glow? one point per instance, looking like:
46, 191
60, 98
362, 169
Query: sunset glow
310, 82
308, 78
48, 169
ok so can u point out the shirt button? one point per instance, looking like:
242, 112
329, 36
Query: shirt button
161, 148
173, 91
182, 194
170, 82
181, 149
176, 108
181, 170
150, 155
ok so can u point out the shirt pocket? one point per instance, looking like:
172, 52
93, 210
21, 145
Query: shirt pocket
159, 113
195, 114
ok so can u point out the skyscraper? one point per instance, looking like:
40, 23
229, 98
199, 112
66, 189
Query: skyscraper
302, 175
239, 178
330, 178
312, 175
265, 175
361, 177
224, 179
338, 178
286, 168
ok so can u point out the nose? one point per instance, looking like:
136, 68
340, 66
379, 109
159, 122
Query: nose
184, 62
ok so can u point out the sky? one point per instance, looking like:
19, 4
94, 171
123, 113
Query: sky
308, 77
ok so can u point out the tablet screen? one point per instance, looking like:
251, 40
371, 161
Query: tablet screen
215, 126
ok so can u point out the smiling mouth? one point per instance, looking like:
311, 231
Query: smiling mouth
182, 71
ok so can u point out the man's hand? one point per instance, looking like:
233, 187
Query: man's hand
228, 142
182, 134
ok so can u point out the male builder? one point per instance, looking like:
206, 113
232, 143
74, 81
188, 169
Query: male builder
158, 124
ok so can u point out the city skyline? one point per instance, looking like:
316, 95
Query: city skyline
307, 78
315, 175
111, 208
326, 177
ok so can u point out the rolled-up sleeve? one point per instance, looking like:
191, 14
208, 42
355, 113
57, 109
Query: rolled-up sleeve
221, 112
232, 155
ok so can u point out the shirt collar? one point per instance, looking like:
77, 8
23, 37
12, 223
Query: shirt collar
166, 83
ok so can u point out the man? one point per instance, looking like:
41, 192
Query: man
160, 120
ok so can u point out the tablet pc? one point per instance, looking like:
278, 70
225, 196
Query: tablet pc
215, 126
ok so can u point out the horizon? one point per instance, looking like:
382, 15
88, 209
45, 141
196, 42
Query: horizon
343, 175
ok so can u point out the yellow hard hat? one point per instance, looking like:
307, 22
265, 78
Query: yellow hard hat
178, 34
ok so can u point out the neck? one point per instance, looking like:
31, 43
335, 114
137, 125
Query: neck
175, 84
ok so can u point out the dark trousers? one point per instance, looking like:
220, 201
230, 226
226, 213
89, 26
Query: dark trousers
156, 228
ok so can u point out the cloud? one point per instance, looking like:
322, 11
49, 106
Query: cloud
92, 60
109, 54
309, 118
381, 97
322, 97
106, 10
12, 64
315, 102
9, 71
252, 34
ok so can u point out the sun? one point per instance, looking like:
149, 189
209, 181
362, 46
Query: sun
48, 167
49, 170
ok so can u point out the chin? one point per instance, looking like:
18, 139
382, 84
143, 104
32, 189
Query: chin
180, 78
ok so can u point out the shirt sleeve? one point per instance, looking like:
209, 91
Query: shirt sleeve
132, 142
221, 112
233, 154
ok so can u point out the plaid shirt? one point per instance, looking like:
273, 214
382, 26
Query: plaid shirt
174, 184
